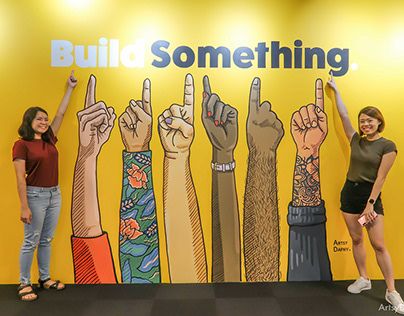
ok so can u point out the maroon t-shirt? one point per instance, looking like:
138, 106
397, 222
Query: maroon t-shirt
41, 160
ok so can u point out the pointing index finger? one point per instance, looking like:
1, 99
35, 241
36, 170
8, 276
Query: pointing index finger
146, 96
319, 94
90, 95
255, 94
189, 92
206, 85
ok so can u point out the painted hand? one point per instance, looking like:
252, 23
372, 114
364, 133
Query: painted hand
96, 121
264, 129
220, 120
135, 123
309, 125
176, 124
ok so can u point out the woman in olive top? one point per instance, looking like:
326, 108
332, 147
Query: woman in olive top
371, 159
35, 160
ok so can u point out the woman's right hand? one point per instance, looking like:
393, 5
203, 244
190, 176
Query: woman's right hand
26, 215
72, 80
331, 83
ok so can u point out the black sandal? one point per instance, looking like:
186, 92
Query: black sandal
22, 295
53, 286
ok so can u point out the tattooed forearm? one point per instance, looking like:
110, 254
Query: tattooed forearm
306, 182
261, 219
138, 222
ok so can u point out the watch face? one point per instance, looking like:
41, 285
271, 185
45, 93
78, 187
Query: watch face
371, 201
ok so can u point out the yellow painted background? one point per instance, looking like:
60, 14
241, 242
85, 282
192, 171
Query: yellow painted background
373, 32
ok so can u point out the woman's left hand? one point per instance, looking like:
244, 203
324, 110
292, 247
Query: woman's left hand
72, 81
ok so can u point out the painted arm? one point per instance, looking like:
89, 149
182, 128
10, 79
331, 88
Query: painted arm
221, 124
342, 110
384, 168
185, 244
26, 214
261, 216
308, 256
309, 129
138, 238
92, 256
57, 120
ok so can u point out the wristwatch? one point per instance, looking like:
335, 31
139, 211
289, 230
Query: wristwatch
223, 167
371, 201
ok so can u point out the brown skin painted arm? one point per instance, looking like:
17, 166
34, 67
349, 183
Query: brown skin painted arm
221, 124
261, 215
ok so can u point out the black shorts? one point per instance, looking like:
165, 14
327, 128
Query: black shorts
355, 195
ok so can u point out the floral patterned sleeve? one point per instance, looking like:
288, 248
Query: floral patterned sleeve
138, 237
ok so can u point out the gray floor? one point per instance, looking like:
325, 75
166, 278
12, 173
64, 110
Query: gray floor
285, 298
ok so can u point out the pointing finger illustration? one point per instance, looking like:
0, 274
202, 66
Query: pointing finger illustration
189, 92
319, 94
255, 94
206, 85
90, 95
146, 96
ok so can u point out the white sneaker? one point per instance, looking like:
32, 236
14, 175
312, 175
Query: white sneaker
359, 285
395, 299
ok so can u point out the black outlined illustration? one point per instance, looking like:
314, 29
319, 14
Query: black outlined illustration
221, 124
261, 215
185, 243
138, 238
92, 257
138, 233
308, 256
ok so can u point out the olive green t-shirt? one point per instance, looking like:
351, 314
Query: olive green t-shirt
366, 157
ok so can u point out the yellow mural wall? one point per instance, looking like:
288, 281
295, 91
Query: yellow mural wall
373, 32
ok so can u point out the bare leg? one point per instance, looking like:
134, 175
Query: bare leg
358, 247
376, 236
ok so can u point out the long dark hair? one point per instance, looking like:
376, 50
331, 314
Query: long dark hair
26, 131
375, 113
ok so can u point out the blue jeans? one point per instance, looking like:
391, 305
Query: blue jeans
44, 204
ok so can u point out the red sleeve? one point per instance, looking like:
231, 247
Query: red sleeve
92, 260
19, 150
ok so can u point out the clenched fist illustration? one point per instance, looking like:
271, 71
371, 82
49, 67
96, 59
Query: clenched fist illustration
135, 124
309, 125
219, 119
176, 124
96, 121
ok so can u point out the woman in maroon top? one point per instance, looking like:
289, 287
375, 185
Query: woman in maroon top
35, 160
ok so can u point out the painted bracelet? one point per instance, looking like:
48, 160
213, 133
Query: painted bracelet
223, 167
